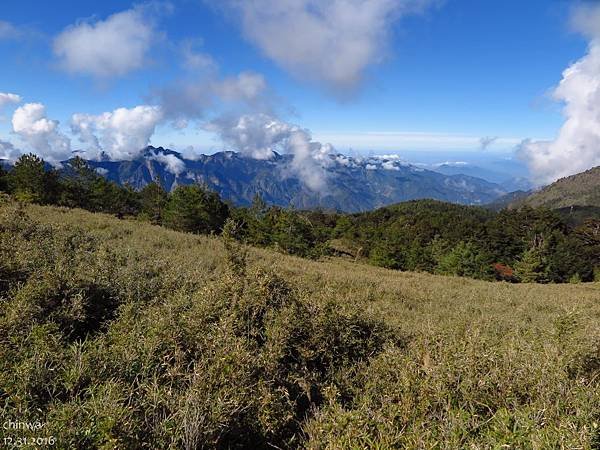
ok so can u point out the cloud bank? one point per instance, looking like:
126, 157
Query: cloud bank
577, 146
331, 42
106, 48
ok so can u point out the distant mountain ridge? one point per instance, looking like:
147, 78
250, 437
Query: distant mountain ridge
509, 182
352, 184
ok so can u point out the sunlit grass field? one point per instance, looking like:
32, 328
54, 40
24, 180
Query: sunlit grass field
210, 345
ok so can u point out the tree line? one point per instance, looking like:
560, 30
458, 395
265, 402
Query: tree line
524, 245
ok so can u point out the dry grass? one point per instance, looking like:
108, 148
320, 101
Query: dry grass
487, 365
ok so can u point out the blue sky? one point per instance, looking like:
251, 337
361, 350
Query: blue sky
440, 79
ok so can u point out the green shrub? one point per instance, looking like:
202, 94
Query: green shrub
106, 349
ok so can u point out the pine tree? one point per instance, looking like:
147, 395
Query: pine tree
465, 259
153, 199
31, 182
196, 210
77, 184
531, 267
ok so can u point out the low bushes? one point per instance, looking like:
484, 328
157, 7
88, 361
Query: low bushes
101, 346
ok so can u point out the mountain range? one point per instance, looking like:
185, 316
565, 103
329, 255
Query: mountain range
350, 184
506, 179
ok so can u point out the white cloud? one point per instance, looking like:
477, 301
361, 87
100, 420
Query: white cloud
326, 41
577, 146
259, 135
389, 165
8, 99
106, 48
173, 164
254, 135
40, 133
119, 135
585, 19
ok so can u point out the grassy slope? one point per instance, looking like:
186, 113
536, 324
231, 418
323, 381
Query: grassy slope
401, 296
582, 189
491, 357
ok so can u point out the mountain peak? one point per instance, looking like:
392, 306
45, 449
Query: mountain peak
350, 183
150, 151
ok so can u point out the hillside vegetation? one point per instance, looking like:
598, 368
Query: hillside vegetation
582, 189
121, 334
520, 245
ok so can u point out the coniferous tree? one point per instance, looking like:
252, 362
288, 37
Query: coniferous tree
531, 267
77, 185
153, 200
259, 224
294, 234
466, 259
194, 209
31, 182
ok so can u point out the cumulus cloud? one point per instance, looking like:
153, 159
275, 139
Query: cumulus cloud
118, 135
259, 135
41, 134
106, 48
8, 99
326, 41
254, 135
577, 146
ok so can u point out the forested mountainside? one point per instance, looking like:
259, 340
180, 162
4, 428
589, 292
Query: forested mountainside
526, 244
